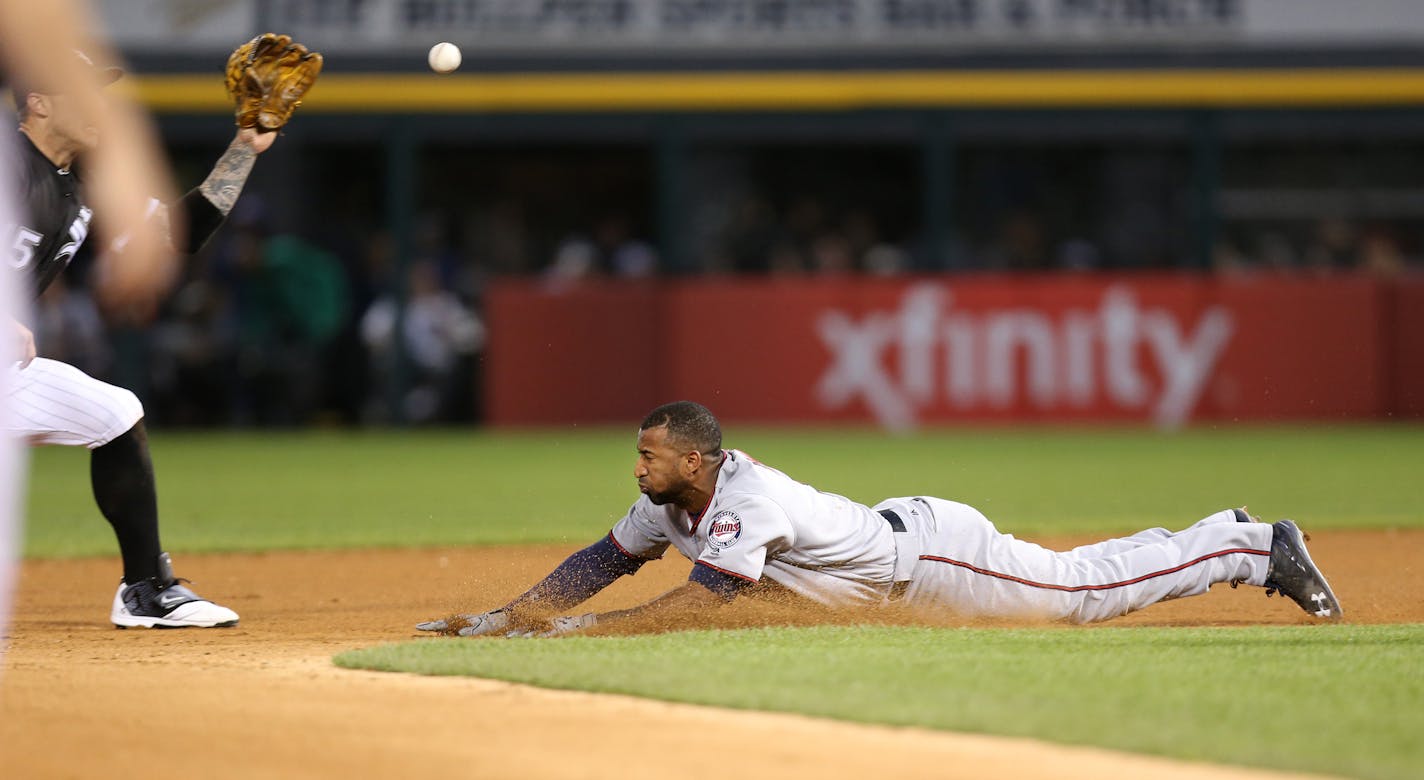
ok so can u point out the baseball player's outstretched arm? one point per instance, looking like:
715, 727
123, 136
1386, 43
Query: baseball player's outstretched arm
705, 590
683, 607
207, 205
678, 608
224, 184
575, 581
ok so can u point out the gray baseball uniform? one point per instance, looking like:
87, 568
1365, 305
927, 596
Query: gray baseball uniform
933, 553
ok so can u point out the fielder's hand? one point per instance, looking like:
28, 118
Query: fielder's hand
468, 625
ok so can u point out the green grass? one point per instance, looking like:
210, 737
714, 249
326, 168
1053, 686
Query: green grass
1339, 698
229, 492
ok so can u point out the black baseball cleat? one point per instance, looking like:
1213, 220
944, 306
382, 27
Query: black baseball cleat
1292, 573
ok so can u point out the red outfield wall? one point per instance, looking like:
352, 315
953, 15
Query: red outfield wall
1165, 349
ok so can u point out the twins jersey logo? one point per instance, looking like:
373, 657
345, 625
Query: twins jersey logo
725, 530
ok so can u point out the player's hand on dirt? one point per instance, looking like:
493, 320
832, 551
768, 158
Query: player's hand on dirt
566, 624
24, 344
468, 625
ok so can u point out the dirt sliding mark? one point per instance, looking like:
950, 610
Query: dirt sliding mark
81, 699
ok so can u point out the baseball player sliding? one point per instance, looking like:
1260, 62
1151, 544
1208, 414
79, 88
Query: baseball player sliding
743, 523
54, 403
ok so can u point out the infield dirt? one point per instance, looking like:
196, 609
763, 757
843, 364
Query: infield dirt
80, 699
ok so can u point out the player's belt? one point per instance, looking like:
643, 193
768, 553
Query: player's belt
907, 553
896, 524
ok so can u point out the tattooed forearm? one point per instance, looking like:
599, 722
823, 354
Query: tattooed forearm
224, 184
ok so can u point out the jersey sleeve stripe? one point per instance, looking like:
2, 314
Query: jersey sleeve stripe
726, 572
624, 550
614, 539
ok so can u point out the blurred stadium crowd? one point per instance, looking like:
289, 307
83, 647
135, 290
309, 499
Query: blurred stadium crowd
349, 286
293, 316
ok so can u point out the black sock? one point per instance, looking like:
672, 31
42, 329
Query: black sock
122, 475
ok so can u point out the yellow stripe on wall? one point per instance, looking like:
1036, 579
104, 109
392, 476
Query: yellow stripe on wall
815, 91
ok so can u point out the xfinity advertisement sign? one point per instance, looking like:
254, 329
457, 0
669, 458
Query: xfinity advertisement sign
925, 353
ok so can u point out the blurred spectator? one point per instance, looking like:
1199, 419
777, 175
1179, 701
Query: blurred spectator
1380, 254
432, 244
439, 337
1079, 254
290, 299
68, 327
804, 237
192, 350
751, 236
886, 260
1017, 244
831, 254
785, 259
619, 251
610, 249
1333, 244
575, 258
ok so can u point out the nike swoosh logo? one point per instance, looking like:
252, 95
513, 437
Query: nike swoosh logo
169, 601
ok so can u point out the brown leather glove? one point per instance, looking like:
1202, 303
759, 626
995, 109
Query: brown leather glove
267, 77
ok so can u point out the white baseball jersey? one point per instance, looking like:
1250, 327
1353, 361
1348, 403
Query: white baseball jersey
946, 555
761, 522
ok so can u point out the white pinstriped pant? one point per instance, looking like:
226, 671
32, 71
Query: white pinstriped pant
968, 566
50, 402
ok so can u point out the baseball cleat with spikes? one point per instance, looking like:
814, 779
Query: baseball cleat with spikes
1293, 574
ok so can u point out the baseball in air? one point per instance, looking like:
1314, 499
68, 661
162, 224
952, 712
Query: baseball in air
444, 57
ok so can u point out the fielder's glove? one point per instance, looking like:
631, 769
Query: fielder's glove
468, 625
266, 79
559, 626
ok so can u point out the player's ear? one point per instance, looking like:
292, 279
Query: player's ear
693, 461
37, 104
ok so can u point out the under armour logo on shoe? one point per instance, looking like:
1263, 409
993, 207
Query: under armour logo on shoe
1324, 610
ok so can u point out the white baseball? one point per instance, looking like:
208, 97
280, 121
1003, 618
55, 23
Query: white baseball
444, 57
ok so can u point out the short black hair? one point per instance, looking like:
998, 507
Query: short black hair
689, 424
21, 98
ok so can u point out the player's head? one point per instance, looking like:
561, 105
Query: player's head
46, 106
675, 442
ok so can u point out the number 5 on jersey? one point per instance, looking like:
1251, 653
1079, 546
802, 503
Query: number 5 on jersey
25, 242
